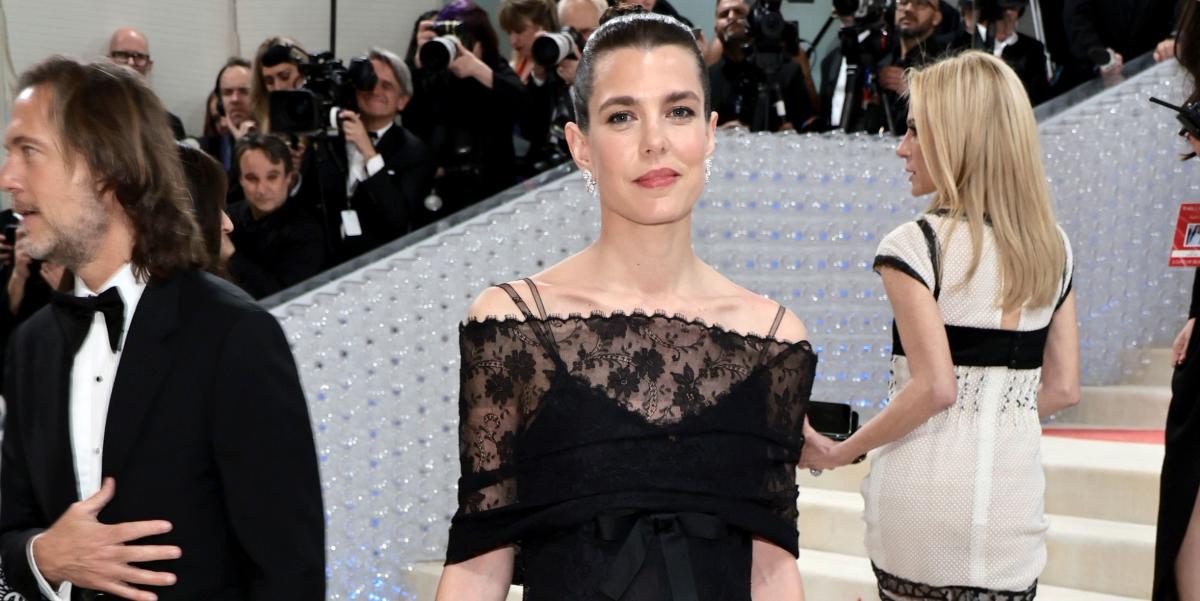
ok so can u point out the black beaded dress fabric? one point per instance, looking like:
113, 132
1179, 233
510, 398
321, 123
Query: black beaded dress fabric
628, 457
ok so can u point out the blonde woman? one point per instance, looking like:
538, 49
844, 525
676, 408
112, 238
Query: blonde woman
985, 344
277, 66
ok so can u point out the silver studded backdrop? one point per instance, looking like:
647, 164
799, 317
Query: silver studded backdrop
794, 217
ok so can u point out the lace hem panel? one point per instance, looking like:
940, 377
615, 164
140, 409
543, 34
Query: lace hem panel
895, 588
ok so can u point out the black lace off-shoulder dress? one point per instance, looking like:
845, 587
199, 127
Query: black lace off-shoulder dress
627, 457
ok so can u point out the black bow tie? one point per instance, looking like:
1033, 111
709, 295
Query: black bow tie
373, 136
76, 314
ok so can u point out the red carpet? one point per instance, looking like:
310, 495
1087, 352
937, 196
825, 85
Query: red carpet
1112, 435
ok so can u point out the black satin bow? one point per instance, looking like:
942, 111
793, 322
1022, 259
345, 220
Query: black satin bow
672, 530
75, 313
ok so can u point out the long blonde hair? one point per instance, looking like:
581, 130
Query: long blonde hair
979, 138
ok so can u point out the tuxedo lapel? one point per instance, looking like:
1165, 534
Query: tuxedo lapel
56, 479
145, 361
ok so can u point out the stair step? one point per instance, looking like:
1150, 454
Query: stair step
827, 577
1125, 406
1120, 479
1149, 367
1100, 555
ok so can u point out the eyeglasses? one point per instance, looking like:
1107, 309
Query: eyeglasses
129, 58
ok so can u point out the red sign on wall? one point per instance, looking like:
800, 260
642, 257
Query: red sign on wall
1185, 250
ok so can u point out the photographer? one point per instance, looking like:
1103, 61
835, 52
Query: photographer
275, 242
278, 65
523, 21
916, 22
852, 97
757, 75
376, 169
526, 22
994, 30
466, 106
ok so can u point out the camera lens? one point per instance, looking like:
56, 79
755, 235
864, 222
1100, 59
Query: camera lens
438, 53
550, 49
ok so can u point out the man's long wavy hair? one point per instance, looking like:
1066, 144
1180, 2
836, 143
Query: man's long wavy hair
105, 115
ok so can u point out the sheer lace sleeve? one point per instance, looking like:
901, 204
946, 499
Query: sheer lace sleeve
791, 379
503, 374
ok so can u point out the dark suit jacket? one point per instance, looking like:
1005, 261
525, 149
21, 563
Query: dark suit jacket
221, 148
1028, 58
207, 428
390, 203
1131, 27
277, 251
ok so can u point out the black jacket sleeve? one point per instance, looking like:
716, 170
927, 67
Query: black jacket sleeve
1194, 311
397, 192
303, 246
267, 462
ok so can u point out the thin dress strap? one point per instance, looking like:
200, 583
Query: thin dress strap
778, 319
931, 241
517, 300
537, 297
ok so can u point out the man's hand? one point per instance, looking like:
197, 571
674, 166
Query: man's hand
1179, 348
1165, 50
242, 128
566, 70
80, 550
891, 78
19, 275
356, 133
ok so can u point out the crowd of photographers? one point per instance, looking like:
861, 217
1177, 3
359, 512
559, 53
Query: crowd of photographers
324, 160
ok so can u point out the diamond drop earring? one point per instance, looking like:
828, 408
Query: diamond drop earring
707, 169
589, 182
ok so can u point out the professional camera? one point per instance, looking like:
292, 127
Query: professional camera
550, 49
329, 88
439, 52
868, 17
770, 32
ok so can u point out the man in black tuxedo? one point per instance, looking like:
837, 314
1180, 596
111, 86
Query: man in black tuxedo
157, 443
376, 176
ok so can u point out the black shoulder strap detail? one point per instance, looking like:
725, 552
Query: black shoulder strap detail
1067, 278
775, 324
537, 297
931, 242
516, 299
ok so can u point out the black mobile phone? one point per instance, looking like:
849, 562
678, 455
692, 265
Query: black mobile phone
10, 234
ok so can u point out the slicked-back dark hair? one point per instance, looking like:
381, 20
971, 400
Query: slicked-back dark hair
106, 116
274, 147
628, 26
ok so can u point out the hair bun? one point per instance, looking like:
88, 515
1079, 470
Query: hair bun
620, 10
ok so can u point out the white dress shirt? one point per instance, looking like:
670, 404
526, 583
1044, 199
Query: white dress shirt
998, 48
839, 91
358, 169
92, 375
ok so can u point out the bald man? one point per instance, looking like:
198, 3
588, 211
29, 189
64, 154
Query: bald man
131, 48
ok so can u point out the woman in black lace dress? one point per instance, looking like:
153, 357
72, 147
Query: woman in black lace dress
614, 444
1177, 549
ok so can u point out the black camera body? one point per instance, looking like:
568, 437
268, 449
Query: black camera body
550, 49
329, 88
438, 53
770, 32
